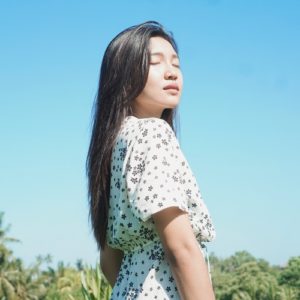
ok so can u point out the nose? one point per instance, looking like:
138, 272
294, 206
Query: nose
170, 74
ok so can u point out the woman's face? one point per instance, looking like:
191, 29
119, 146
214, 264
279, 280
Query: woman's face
164, 70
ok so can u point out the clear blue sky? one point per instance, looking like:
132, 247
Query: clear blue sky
239, 117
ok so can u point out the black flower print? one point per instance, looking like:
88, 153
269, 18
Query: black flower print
122, 152
149, 173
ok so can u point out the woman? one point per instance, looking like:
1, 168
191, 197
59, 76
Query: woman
147, 214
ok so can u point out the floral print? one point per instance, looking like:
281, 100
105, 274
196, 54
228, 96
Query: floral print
149, 173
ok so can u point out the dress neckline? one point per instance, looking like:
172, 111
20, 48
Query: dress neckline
136, 118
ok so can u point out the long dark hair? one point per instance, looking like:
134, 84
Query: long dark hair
123, 76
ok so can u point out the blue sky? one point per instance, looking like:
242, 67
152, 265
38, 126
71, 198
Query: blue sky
239, 118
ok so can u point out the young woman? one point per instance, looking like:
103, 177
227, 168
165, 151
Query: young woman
147, 213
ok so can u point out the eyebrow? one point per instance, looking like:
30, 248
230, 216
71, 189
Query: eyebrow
161, 54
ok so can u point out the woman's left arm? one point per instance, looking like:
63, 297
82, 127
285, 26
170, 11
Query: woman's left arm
110, 262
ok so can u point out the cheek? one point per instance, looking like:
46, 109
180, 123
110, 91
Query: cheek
154, 78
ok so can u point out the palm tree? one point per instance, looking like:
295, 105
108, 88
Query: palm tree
63, 282
8, 271
79, 264
288, 293
94, 284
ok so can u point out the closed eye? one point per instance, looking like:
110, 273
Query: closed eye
156, 63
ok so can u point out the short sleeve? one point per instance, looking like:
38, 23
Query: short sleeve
153, 170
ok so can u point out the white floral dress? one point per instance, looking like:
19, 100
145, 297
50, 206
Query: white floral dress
149, 173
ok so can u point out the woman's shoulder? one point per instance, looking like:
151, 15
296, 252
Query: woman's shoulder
148, 128
141, 135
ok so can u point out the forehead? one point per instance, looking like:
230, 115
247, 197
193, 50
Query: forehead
159, 46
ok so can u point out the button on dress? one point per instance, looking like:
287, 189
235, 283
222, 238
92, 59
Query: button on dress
149, 173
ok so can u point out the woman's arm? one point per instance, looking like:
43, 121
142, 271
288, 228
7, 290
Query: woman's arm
184, 255
110, 262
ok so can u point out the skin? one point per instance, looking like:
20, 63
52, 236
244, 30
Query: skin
164, 69
182, 250
110, 263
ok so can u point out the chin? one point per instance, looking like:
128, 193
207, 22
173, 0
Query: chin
175, 103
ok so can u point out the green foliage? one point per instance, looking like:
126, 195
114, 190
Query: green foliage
239, 277
242, 277
291, 274
94, 284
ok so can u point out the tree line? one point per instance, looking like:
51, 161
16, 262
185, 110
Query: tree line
238, 277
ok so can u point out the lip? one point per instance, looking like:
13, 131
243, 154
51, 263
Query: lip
172, 86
